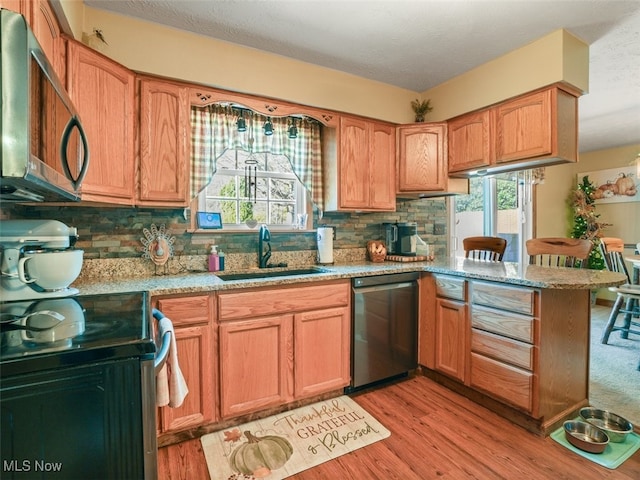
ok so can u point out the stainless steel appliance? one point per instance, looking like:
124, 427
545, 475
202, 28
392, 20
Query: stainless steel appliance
385, 327
401, 238
82, 404
38, 259
44, 148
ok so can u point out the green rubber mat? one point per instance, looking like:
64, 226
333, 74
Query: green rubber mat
612, 457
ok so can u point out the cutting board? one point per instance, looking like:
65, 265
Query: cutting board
401, 258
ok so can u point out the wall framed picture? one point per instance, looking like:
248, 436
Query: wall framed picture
615, 185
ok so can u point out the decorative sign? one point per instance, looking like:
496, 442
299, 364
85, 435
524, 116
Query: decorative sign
279, 446
615, 185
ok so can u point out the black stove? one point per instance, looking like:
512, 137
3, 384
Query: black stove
94, 328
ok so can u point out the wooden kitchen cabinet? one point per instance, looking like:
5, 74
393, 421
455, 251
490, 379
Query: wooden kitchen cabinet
451, 335
192, 318
164, 143
47, 31
422, 155
536, 129
450, 327
282, 344
363, 175
103, 92
322, 343
470, 145
255, 369
522, 347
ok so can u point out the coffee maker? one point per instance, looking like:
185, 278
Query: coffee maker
37, 259
401, 238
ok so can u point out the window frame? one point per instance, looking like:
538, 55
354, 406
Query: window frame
302, 203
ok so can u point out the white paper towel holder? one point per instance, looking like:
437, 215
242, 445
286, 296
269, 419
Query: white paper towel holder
325, 245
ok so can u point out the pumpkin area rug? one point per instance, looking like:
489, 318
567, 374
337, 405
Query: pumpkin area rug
282, 445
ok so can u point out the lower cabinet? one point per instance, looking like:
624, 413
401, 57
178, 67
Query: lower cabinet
524, 347
195, 340
255, 365
282, 344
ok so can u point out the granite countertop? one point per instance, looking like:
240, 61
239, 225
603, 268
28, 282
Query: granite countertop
504, 272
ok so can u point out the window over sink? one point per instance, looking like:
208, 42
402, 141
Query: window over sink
273, 196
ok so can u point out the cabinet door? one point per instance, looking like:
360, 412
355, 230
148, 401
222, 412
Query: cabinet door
322, 351
451, 338
255, 364
421, 159
46, 29
195, 355
354, 165
103, 93
383, 165
470, 141
523, 127
195, 342
164, 128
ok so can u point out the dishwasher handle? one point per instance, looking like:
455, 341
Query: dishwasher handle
165, 336
380, 288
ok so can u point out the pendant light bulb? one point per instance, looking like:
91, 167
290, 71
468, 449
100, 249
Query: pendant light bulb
241, 124
293, 130
268, 127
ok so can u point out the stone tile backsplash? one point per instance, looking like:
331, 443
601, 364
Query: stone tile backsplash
115, 233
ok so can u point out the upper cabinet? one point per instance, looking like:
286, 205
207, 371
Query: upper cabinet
164, 143
422, 161
470, 141
45, 27
362, 176
103, 92
536, 129
422, 151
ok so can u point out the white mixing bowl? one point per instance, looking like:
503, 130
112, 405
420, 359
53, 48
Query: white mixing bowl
51, 270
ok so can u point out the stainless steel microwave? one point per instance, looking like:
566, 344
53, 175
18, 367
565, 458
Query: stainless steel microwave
44, 150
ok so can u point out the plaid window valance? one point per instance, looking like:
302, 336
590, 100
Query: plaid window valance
214, 130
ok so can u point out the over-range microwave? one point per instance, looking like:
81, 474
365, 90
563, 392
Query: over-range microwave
44, 149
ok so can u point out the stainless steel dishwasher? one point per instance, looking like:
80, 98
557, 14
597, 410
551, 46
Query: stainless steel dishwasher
385, 327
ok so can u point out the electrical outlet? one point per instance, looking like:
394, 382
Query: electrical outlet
438, 229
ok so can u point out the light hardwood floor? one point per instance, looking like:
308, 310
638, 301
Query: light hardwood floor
435, 433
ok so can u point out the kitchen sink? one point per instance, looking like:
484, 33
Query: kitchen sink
266, 273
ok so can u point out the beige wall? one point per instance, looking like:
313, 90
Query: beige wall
556, 57
153, 48
553, 214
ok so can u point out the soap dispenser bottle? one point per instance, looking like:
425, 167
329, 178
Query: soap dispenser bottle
214, 259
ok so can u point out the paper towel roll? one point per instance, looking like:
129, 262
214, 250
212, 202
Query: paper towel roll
325, 245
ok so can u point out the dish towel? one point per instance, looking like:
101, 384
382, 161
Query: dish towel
171, 387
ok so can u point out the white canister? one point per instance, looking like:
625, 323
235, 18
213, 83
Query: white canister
325, 245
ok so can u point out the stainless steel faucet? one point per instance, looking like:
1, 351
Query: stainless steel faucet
264, 237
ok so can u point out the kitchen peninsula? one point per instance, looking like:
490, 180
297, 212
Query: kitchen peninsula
512, 337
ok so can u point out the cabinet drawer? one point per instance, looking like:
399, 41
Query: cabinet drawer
263, 302
450, 287
509, 324
511, 384
186, 310
515, 299
505, 349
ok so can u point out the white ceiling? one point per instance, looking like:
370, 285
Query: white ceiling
417, 44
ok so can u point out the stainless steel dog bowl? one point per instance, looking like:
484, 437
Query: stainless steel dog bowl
616, 427
585, 436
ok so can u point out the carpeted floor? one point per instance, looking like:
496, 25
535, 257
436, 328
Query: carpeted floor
614, 378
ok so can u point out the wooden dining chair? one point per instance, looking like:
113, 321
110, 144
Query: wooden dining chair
559, 252
484, 248
627, 295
